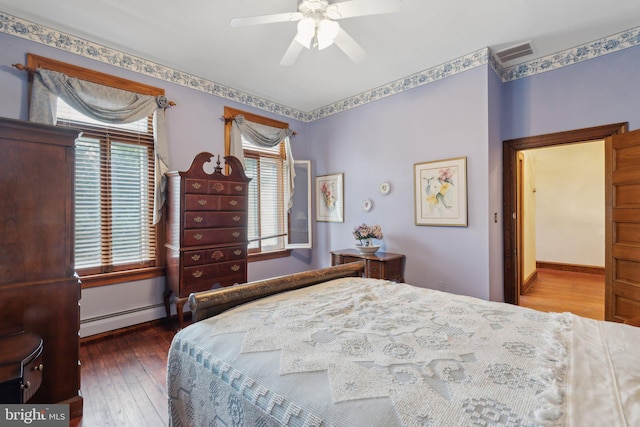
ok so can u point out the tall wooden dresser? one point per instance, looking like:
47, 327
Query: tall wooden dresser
206, 229
39, 292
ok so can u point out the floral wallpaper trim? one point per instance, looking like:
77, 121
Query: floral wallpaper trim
430, 75
41, 34
614, 43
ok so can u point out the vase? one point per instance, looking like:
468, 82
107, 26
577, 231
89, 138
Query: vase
366, 247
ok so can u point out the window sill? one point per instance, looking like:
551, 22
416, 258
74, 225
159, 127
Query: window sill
263, 256
104, 279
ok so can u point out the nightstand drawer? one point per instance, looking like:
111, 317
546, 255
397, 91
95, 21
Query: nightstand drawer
380, 265
20, 367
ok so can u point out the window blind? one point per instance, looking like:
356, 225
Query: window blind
113, 193
266, 217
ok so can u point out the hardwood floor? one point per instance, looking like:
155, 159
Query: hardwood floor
560, 291
124, 378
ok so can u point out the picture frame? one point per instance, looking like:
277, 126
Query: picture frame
440, 192
330, 198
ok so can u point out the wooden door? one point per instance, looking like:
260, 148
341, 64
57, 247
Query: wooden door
622, 171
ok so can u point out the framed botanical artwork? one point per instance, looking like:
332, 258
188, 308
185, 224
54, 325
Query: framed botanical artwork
440, 189
330, 198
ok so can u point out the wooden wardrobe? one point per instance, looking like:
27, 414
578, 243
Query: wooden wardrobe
39, 292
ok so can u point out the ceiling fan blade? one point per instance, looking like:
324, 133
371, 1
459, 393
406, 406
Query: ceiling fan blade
350, 47
291, 54
266, 19
352, 8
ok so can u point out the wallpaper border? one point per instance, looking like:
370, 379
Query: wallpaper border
18, 27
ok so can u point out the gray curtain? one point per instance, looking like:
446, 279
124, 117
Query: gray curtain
106, 104
265, 136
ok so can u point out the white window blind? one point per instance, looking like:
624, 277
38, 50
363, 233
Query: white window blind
267, 228
113, 193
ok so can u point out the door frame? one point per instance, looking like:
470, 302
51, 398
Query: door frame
510, 149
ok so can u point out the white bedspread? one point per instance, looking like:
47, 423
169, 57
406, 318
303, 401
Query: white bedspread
365, 352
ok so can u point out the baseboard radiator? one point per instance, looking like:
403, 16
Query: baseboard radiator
121, 319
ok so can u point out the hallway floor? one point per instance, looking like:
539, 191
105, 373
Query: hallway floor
560, 291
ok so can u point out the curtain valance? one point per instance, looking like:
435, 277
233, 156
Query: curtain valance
262, 136
105, 104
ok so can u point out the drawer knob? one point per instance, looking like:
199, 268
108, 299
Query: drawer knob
195, 257
202, 202
196, 185
26, 385
198, 219
233, 202
217, 255
236, 218
238, 252
39, 367
239, 187
218, 187
235, 267
197, 274
236, 234
197, 236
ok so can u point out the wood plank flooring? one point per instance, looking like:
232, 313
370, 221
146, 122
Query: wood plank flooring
124, 376
560, 291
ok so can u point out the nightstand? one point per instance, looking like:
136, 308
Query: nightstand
20, 367
381, 265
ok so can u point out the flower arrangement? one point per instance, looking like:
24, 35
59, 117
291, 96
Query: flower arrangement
364, 232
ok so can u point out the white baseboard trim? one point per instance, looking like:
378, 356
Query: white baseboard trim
123, 319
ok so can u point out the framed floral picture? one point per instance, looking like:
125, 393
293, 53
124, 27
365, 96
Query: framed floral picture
440, 189
330, 198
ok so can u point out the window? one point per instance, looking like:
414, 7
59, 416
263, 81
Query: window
113, 194
115, 239
266, 217
270, 228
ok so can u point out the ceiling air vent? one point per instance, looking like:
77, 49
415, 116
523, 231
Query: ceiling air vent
515, 52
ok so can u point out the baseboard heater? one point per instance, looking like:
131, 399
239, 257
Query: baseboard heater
121, 313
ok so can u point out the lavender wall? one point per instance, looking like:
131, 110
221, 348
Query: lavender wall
600, 91
382, 141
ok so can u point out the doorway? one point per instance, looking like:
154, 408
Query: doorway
511, 148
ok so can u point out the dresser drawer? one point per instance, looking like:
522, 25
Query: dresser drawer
233, 188
208, 256
196, 186
214, 219
215, 236
196, 202
205, 186
210, 274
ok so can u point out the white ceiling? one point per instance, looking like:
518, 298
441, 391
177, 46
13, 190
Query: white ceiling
194, 36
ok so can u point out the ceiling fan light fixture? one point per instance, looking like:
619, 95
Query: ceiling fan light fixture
327, 32
306, 32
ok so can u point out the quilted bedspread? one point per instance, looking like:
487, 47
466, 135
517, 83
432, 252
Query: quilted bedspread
367, 352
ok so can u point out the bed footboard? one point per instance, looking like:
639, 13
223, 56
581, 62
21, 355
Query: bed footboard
209, 303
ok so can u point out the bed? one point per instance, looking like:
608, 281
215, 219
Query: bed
330, 348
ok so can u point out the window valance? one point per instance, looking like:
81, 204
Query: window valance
105, 104
264, 136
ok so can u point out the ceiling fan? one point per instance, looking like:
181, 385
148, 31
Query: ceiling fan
317, 26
